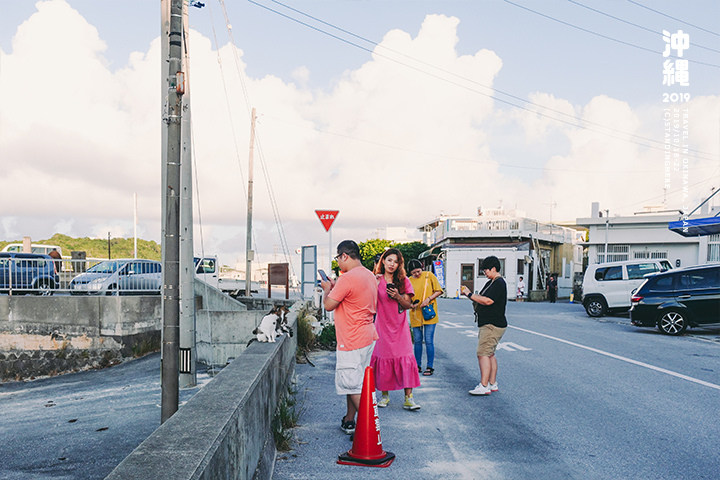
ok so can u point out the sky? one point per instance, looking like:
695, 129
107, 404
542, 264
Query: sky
391, 111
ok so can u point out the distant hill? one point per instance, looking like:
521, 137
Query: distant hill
98, 247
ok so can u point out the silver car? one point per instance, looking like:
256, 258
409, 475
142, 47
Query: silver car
115, 277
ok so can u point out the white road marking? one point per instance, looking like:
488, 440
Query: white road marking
511, 347
470, 333
451, 325
624, 359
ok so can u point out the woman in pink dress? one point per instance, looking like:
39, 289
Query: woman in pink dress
393, 360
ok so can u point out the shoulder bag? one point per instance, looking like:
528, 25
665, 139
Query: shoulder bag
428, 312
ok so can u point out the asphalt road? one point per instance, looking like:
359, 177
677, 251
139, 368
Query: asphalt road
80, 425
579, 398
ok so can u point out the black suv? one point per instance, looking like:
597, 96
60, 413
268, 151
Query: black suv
680, 298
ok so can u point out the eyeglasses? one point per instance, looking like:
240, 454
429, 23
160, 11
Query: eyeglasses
337, 257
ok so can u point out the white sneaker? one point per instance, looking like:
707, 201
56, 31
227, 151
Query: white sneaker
493, 387
384, 401
480, 390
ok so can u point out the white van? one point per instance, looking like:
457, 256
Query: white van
35, 248
609, 286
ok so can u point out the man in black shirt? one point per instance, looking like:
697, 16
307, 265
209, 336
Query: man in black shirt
489, 307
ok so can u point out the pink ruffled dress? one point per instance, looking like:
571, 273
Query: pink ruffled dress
393, 360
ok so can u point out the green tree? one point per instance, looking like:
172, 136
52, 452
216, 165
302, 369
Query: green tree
370, 248
411, 250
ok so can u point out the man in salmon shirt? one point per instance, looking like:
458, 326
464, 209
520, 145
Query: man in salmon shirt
353, 297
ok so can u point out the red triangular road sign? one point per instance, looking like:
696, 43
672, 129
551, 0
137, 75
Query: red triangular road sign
327, 217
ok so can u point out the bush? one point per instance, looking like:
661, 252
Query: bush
327, 339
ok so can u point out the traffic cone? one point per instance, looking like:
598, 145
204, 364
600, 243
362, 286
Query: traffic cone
367, 449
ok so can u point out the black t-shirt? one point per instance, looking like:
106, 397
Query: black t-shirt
492, 314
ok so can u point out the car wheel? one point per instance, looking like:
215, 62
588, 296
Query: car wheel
595, 307
111, 290
44, 289
672, 322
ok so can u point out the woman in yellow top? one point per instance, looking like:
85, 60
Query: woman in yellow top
427, 289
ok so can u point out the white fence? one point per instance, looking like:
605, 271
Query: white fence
25, 274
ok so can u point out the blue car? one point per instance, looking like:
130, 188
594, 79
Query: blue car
27, 273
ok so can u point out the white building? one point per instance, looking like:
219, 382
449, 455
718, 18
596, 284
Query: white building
646, 235
524, 247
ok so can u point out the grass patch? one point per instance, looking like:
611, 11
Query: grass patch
285, 419
306, 337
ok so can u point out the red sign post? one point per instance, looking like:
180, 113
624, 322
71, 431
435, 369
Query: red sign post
327, 217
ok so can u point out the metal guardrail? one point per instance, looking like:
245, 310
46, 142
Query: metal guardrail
92, 276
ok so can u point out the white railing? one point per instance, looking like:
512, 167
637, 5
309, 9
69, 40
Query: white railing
44, 276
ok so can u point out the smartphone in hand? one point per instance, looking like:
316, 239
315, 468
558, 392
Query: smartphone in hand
323, 275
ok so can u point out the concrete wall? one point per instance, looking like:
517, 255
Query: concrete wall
224, 431
58, 334
51, 335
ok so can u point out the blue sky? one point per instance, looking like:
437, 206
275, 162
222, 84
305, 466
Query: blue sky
329, 109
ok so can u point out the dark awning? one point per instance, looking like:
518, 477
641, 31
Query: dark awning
697, 227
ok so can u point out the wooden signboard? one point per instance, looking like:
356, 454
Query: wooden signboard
278, 274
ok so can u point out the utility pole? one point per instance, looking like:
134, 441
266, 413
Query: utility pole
171, 216
607, 227
135, 225
188, 375
248, 241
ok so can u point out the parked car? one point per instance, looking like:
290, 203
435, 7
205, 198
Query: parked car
34, 247
608, 286
123, 276
680, 298
27, 273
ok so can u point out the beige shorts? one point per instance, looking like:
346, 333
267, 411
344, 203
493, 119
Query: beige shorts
488, 338
350, 369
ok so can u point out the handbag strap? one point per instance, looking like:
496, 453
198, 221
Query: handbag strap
426, 282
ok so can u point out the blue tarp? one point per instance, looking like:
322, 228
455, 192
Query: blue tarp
696, 227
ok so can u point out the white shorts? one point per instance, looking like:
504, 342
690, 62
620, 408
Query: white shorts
350, 370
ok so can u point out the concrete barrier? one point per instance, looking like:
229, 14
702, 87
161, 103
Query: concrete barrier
52, 335
224, 431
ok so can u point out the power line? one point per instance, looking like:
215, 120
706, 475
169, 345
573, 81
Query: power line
460, 159
600, 34
674, 18
268, 182
634, 24
659, 144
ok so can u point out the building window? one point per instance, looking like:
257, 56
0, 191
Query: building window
645, 254
521, 266
502, 267
615, 253
714, 248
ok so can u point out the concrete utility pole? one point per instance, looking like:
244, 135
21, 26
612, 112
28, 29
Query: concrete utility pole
171, 215
248, 241
135, 225
188, 375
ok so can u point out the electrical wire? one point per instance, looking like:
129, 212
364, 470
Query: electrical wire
674, 18
460, 159
600, 34
659, 143
634, 24
268, 181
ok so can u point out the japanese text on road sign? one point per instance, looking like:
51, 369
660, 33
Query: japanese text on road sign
327, 217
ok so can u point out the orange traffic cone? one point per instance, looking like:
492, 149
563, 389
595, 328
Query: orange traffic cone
367, 449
